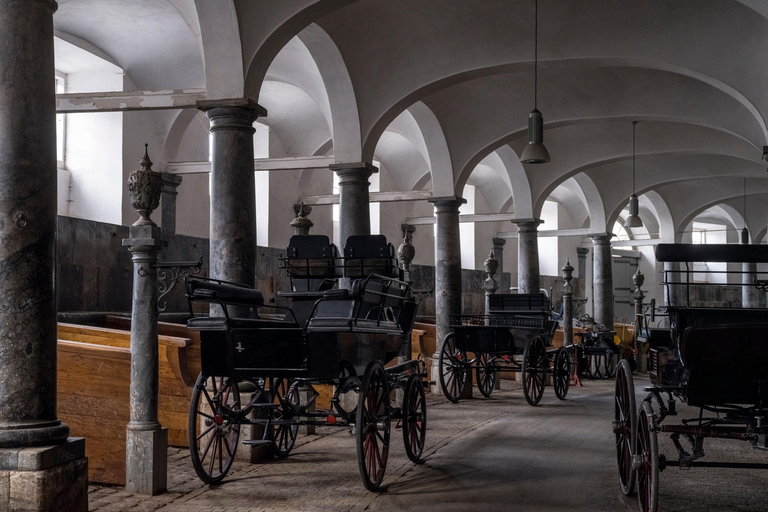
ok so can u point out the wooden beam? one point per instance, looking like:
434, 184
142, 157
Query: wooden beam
259, 164
127, 101
374, 197
550, 233
475, 217
636, 243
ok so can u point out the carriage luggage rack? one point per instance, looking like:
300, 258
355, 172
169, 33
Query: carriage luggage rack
536, 321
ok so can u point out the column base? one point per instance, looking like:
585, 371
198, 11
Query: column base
305, 394
47, 478
146, 461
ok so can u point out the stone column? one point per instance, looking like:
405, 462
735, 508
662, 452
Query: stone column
233, 190
498, 251
168, 204
582, 264
638, 279
301, 224
602, 277
674, 295
528, 275
489, 287
146, 450
354, 210
405, 253
447, 273
41, 469
567, 304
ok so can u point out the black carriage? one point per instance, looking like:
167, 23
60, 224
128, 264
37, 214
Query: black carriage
516, 336
714, 359
598, 353
339, 337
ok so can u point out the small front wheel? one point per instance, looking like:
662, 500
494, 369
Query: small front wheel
372, 426
453, 369
213, 428
535, 366
648, 452
485, 373
414, 418
561, 373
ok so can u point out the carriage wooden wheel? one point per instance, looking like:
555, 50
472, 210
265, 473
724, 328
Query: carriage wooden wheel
213, 429
561, 373
414, 418
485, 373
372, 426
625, 426
282, 428
648, 463
453, 369
535, 366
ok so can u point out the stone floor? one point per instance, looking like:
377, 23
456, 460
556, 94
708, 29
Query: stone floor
482, 454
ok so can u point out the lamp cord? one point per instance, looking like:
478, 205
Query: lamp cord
536, 55
634, 125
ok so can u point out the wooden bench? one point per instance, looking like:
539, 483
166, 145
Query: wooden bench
175, 393
93, 394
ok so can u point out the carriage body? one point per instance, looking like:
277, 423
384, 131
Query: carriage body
327, 336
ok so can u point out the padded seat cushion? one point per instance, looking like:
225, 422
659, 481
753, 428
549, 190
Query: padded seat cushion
219, 323
212, 291
343, 324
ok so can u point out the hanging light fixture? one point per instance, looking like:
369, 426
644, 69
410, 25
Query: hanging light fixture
745, 231
535, 152
633, 220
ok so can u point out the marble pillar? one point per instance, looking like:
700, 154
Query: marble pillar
447, 272
233, 195
674, 294
750, 294
42, 468
638, 296
146, 441
354, 204
602, 277
528, 275
168, 204
567, 304
582, 263
498, 252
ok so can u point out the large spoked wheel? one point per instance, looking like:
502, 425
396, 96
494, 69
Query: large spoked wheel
213, 428
625, 426
372, 426
282, 429
486, 374
535, 366
648, 470
561, 373
414, 418
453, 369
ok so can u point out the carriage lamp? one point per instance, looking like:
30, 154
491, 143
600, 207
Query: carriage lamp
633, 220
535, 152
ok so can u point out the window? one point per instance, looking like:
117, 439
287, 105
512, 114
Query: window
549, 258
706, 233
467, 229
61, 124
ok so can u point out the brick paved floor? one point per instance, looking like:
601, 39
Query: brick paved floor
482, 454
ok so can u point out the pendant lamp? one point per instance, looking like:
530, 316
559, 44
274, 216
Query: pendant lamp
535, 152
633, 220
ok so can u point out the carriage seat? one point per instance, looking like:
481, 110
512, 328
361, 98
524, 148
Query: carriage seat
724, 362
311, 263
226, 293
220, 323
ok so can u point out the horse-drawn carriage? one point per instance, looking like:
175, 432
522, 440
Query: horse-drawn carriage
715, 360
341, 337
515, 336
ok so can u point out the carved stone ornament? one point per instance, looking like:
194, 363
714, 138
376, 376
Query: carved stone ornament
491, 265
638, 278
301, 224
145, 187
406, 253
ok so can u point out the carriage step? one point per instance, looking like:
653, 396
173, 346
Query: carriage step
257, 442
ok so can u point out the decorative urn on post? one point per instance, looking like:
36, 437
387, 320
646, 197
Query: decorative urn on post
145, 187
301, 224
405, 253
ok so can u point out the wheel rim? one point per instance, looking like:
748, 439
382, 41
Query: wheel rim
373, 427
283, 436
414, 418
486, 376
624, 427
648, 472
562, 373
213, 431
453, 370
534, 371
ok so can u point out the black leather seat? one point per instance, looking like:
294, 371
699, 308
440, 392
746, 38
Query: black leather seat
219, 323
212, 291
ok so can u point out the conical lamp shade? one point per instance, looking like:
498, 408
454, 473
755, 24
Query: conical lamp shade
633, 220
535, 152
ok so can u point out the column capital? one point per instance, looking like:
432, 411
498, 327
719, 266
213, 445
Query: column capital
601, 238
408, 230
353, 172
171, 182
527, 225
236, 113
447, 203
582, 251
499, 241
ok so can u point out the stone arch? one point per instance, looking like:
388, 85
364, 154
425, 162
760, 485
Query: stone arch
441, 169
222, 49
